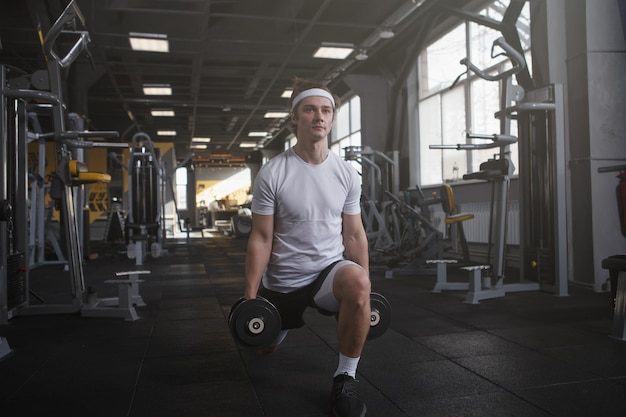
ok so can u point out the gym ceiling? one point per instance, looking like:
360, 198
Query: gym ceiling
228, 63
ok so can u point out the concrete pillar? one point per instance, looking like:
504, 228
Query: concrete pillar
596, 102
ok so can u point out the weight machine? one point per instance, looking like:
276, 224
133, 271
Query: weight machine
70, 176
380, 180
148, 179
420, 239
543, 187
42, 230
497, 171
401, 236
13, 208
145, 182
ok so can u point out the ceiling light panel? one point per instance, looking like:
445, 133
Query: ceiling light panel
157, 89
276, 114
151, 42
248, 145
162, 113
166, 132
334, 51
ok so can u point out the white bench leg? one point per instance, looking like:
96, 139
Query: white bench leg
442, 283
137, 299
476, 291
126, 301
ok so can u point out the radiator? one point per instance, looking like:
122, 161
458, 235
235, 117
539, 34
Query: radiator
477, 229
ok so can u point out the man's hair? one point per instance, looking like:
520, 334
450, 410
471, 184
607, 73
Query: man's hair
302, 84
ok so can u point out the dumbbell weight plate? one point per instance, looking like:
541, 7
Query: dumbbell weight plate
233, 308
381, 315
254, 323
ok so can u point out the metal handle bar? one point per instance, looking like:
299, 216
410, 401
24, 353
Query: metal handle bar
33, 94
464, 146
526, 107
79, 46
612, 168
516, 58
68, 17
70, 138
497, 138
498, 141
85, 144
74, 134
379, 175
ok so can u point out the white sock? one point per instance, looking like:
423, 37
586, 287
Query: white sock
347, 365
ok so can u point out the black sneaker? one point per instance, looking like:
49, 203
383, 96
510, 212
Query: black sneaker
344, 398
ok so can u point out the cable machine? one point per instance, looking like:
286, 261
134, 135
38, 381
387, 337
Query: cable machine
380, 174
145, 179
13, 207
542, 188
400, 234
497, 171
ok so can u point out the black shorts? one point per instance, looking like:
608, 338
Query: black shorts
291, 305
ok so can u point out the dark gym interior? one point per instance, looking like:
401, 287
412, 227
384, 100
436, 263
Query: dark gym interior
117, 279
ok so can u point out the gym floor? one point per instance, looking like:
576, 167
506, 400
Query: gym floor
528, 354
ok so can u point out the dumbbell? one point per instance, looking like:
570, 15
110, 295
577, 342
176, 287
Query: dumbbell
255, 323
380, 316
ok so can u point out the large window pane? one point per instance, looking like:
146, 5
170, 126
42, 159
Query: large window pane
347, 126
481, 43
453, 132
485, 102
181, 197
430, 134
342, 121
181, 176
439, 63
181, 188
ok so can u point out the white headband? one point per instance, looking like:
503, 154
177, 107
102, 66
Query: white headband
309, 93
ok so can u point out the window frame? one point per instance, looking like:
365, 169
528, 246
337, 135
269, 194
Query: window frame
437, 166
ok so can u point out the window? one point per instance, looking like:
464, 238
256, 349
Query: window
181, 188
291, 140
347, 126
448, 110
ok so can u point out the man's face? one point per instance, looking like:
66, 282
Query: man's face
314, 118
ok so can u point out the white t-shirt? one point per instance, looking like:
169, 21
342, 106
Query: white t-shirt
307, 202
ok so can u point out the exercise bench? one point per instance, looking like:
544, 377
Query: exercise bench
123, 305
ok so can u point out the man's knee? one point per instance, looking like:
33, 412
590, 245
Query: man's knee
353, 283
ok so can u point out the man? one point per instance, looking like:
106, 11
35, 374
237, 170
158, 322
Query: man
307, 245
